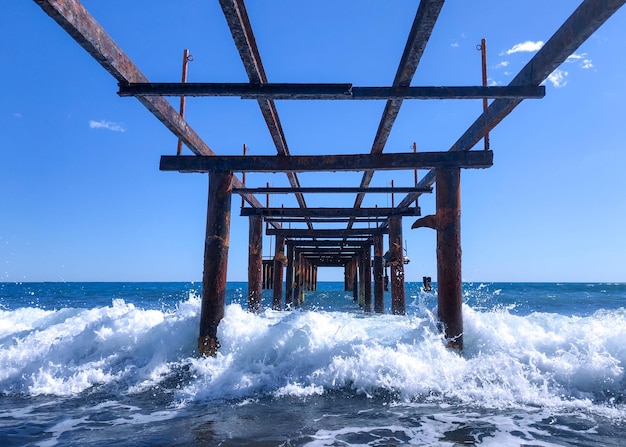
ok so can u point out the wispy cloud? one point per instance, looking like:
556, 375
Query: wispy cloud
557, 78
525, 47
17, 115
585, 62
454, 44
501, 65
104, 124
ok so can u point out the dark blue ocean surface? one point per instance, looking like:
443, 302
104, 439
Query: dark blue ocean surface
115, 364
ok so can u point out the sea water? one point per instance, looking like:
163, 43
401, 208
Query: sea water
115, 364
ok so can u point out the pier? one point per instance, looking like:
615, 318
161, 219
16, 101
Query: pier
353, 236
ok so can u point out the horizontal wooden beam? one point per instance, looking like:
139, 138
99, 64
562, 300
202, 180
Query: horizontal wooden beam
329, 212
324, 233
320, 163
326, 91
334, 190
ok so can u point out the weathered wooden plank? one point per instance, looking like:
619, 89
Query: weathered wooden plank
327, 91
328, 212
320, 163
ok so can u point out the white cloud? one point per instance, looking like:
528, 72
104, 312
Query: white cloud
586, 64
501, 65
575, 57
558, 78
525, 47
103, 124
455, 45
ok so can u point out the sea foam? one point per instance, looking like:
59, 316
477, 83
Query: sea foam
537, 360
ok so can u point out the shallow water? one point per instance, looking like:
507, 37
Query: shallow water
115, 364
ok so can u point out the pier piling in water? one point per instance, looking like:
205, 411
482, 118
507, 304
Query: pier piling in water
301, 266
215, 260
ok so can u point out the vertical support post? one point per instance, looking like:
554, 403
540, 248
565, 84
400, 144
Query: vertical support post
367, 266
361, 265
279, 260
255, 264
355, 278
186, 59
243, 175
349, 276
398, 304
315, 278
215, 260
449, 285
289, 280
483, 52
379, 286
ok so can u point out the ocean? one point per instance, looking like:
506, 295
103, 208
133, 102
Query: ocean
115, 364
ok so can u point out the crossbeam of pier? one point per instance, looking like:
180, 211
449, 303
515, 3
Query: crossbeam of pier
320, 163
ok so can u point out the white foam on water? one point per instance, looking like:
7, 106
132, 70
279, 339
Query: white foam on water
535, 361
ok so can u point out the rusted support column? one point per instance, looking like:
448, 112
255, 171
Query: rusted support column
355, 278
379, 286
449, 285
315, 278
348, 270
255, 264
398, 305
361, 264
279, 262
215, 261
367, 266
289, 277
297, 274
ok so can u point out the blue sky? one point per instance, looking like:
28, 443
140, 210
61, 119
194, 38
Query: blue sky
82, 198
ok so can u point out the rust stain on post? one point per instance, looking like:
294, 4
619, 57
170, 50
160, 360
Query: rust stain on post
398, 303
449, 285
255, 264
215, 261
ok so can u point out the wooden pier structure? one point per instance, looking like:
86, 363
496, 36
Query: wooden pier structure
353, 237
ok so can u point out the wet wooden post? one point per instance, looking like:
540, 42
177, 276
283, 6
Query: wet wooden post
315, 278
297, 277
289, 277
398, 304
279, 261
215, 260
367, 266
449, 282
255, 263
379, 286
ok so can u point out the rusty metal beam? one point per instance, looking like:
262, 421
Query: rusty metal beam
284, 91
320, 163
423, 24
584, 21
324, 233
329, 243
333, 190
241, 30
72, 16
328, 212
